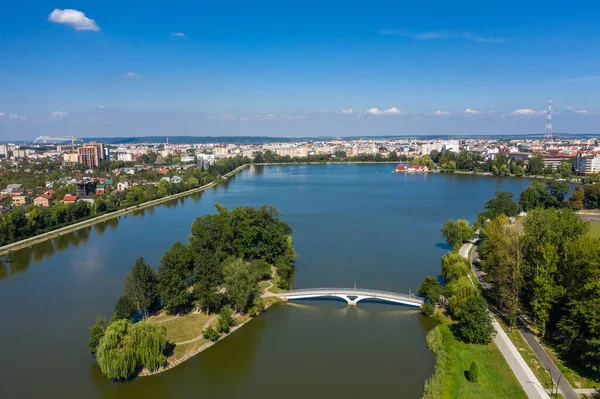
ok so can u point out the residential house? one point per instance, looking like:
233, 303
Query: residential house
70, 199
100, 189
83, 189
14, 189
21, 200
43, 200
123, 185
176, 180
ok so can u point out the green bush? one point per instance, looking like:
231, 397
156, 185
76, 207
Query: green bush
473, 372
225, 319
211, 334
427, 309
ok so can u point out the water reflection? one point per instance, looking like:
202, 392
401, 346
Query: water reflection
19, 261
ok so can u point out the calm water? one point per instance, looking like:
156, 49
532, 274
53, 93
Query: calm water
352, 223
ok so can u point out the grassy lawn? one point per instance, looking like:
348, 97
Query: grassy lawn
594, 229
183, 328
496, 379
181, 350
527, 354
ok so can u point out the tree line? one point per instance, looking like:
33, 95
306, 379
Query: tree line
217, 270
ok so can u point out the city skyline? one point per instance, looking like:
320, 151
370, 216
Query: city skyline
296, 70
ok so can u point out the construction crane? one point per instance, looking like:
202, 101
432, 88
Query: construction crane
46, 139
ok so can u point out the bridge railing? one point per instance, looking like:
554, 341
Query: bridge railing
352, 291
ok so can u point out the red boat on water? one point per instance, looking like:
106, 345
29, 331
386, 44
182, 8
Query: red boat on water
412, 169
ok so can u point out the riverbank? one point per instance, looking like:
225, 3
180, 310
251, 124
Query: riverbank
7, 249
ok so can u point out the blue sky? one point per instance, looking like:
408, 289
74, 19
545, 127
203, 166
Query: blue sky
297, 68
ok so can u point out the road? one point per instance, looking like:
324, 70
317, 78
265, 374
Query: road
563, 385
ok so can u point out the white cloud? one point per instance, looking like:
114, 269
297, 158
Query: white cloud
347, 111
15, 117
132, 75
177, 34
75, 18
472, 111
432, 35
415, 35
377, 111
441, 113
278, 117
1, 115
228, 117
481, 39
578, 111
58, 114
527, 112
100, 106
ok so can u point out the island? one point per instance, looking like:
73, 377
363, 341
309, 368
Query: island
203, 289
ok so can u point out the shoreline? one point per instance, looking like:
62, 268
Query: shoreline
15, 246
7, 249
201, 348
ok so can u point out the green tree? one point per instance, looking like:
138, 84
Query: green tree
141, 286
174, 278
124, 308
577, 199
454, 266
534, 196
239, 284
475, 323
536, 165
428, 309
126, 347
503, 251
208, 275
211, 334
225, 319
451, 233
474, 372
565, 169
501, 204
96, 333
431, 289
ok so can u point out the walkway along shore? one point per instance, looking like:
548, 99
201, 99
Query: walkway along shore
529, 382
77, 226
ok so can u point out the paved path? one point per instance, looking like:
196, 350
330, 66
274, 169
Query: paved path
563, 385
521, 370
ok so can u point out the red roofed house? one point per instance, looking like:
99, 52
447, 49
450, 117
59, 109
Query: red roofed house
418, 168
70, 199
43, 200
400, 168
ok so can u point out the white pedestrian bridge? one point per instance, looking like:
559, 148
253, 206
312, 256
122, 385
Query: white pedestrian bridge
352, 295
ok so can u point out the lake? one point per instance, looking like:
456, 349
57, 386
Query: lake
351, 224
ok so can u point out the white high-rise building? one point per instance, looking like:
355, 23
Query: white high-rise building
587, 163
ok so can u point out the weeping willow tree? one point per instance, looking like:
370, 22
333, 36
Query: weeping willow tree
460, 291
454, 267
126, 347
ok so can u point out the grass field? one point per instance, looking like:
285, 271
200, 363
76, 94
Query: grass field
496, 380
182, 328
594, 229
